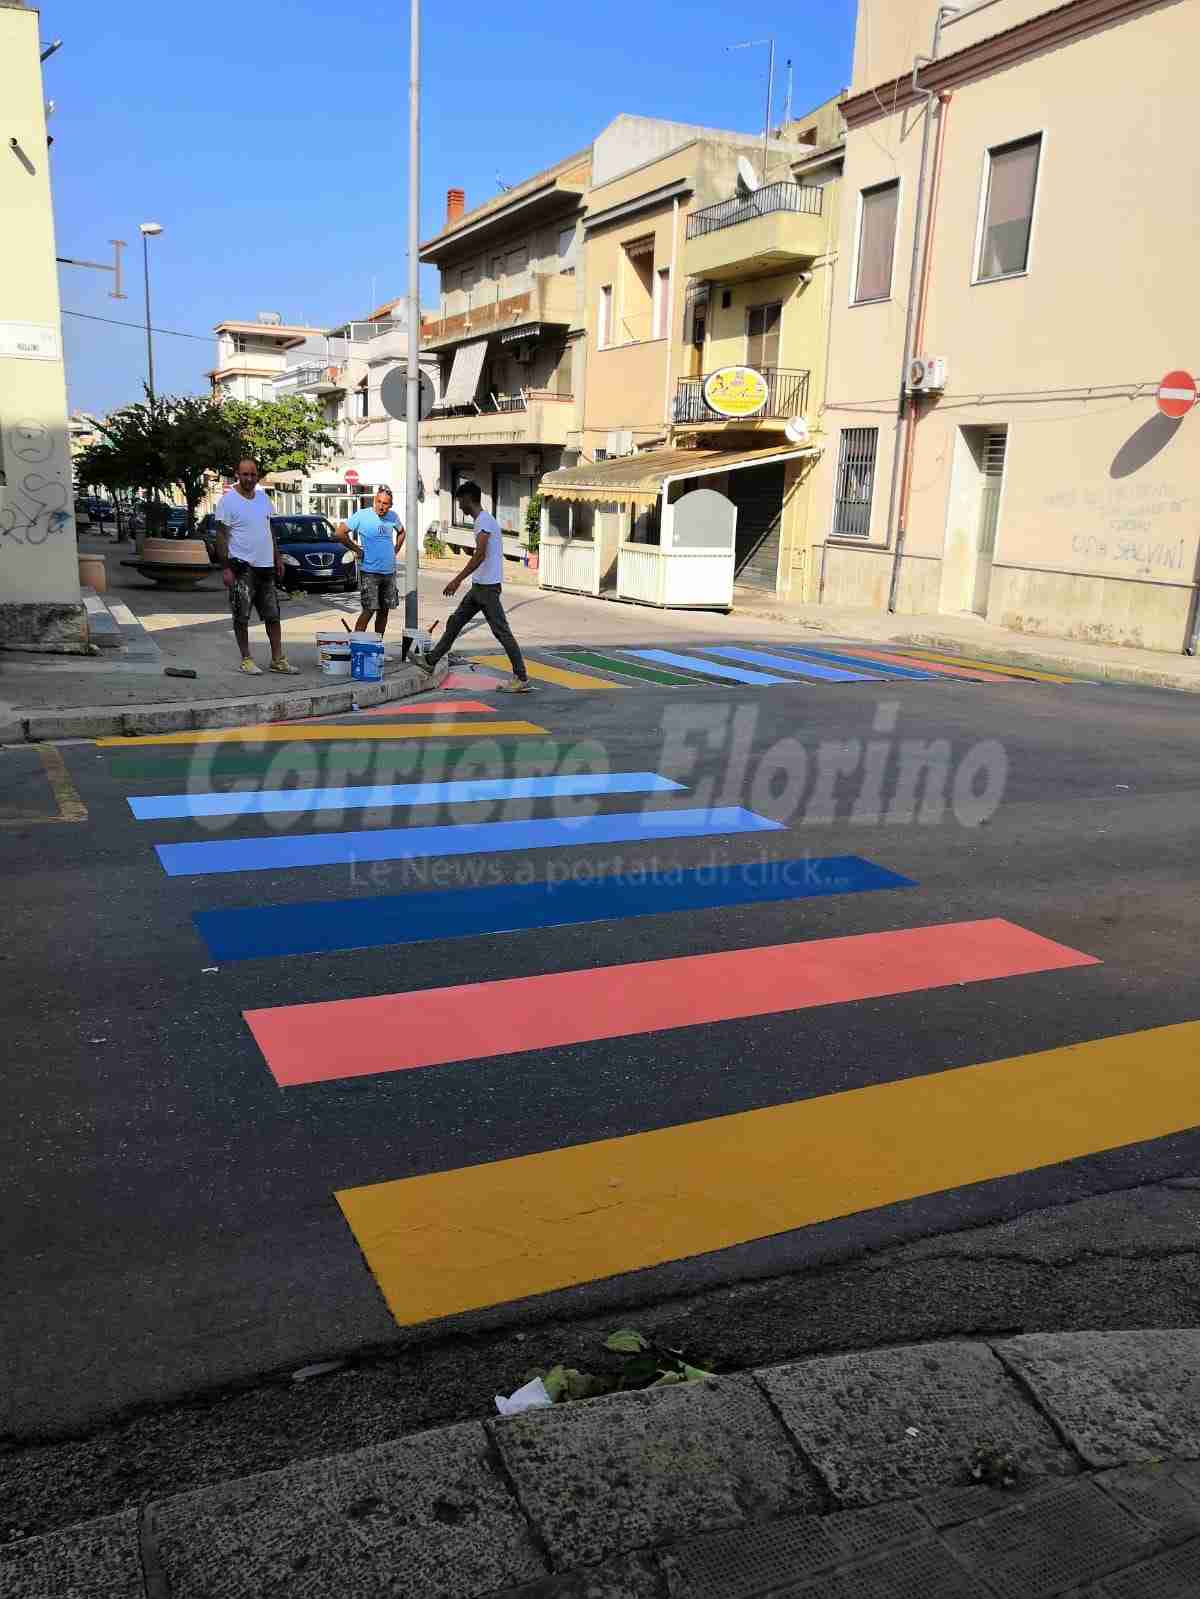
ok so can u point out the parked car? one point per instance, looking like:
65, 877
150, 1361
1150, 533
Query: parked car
313, 557
175, 523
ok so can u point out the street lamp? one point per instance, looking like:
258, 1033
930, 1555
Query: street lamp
148, 230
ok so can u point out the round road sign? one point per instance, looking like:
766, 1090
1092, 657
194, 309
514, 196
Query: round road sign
1177, 394
393, 394
351, 476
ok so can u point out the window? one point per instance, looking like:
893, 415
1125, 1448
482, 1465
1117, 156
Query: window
662, 302
855, 479
362, 407
1011, 182
605, 328
637, 292
762, 336
566, 250
876, 242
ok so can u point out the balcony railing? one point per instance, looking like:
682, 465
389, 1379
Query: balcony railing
805, 197
787, 396
498, 404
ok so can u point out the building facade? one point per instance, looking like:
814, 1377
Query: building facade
40, 606
506, 340
252, 356
1027, 475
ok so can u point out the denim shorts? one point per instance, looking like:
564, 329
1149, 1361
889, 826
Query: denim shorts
379, 591
253, 589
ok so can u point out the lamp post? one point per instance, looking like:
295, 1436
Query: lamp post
412, 422
148, 230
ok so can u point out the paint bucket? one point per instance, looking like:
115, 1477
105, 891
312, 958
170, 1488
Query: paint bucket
333, 654
366, 657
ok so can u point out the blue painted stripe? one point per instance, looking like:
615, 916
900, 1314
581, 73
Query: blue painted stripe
246, 802
411, 843
788, 663
320, 927
883, 668
706, 668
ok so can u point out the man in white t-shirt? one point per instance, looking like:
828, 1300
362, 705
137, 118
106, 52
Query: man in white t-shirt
250, 563
486, 571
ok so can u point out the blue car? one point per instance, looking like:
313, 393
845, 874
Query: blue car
312, 556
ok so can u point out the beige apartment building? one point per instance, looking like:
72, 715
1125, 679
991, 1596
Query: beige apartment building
706, 286
1018, 242
40, 606
505, 338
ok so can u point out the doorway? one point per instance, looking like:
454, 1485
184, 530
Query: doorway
757, 492
973, 519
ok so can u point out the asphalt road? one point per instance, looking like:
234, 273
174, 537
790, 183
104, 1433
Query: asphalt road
169, 1218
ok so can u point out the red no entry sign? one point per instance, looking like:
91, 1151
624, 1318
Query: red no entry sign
1177, 394
352, 475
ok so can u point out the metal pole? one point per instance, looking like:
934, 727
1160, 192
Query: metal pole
770, 97
412, 409
149, 340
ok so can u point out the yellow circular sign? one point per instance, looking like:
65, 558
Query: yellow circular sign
736, 391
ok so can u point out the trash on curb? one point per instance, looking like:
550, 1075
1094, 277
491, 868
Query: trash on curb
320, 1368
532, 1396
178, 671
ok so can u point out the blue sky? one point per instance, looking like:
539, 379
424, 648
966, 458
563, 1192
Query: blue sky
270, 141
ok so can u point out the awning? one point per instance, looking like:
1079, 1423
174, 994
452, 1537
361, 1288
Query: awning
464, 378
638, 479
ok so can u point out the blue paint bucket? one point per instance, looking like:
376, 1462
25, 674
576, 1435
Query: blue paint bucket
366, 658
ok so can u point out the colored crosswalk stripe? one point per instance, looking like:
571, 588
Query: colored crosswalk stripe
788, 663
481, 682
692, 663
430, 708
412, 843
282, 733
266, 802
550, 674
485, 1235
330, 763
891, 659
914, 672
998, 668
614, 663
433, 1027
322, 927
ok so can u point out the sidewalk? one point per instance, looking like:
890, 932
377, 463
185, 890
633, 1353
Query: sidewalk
971, 635
852, 1477
144, 631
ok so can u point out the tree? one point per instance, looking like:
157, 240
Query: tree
288, 435
200, 437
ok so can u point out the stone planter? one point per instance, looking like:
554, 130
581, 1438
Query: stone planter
175, 563
93, 573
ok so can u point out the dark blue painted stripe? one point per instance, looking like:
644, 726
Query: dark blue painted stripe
244, 802
789, 663
317, 928
706, 668
883, 668
411, 843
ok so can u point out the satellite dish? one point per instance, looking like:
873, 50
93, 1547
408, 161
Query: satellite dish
797, 430
746, 176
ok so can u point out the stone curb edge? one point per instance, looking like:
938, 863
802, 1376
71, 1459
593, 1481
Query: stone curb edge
488, 1508
188, 716
1048, 660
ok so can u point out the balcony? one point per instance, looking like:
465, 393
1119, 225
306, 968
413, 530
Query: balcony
776, 229
311, 380
548, 301
787, 396
533, 418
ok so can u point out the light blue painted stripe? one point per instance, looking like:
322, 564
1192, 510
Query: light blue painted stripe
247, 802
882, 668
788, 663
411, 843
691, 664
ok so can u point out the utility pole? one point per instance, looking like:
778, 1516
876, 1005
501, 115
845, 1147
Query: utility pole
412, 420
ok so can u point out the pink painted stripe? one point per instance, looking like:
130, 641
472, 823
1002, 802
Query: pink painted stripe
425, 707
925, 666
482, 682
433, 1026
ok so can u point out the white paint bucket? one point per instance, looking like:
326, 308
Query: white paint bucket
333, 653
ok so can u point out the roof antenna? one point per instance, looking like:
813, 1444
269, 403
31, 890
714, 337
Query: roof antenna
787, 104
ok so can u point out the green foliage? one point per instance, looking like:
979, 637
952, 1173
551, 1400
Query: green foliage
434, 548
533, 522
288, 435
644, 1364
995, 1467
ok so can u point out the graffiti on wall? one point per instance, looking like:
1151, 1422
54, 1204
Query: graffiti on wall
33, 503
1131, 522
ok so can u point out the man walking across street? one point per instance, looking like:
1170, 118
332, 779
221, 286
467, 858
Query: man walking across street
376, 537
486, 571
250, 563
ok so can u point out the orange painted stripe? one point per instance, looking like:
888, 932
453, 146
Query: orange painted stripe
431, 1027
912, 660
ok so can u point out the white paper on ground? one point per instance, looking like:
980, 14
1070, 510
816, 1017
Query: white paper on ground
532, 1397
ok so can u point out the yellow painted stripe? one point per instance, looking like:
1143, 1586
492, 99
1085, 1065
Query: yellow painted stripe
293, 733
548, 674
486, 1235
70, 807
983, 666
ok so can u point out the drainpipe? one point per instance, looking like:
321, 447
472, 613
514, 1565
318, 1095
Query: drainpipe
671, 309
910, 436
944, 12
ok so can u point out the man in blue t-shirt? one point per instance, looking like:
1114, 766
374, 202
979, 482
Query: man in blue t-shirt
376, 537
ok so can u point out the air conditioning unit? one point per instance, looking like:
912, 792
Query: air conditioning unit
927, 374
620, 442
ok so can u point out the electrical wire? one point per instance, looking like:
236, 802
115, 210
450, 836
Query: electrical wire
174, 333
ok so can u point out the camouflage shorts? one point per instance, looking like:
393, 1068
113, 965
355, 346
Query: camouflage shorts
253, 589
379, 591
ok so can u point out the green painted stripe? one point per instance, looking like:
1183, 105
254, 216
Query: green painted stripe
521, 757
651, 674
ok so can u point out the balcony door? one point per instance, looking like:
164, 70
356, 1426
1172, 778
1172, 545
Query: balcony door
763, 323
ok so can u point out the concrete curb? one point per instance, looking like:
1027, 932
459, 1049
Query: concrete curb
849, 1474
1052, 660
130, 721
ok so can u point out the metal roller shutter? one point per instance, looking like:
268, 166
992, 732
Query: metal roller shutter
758, 494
